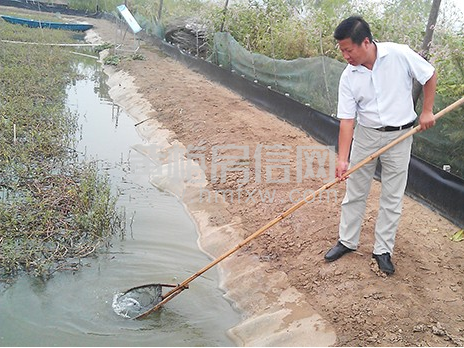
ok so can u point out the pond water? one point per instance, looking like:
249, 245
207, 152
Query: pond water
160, 245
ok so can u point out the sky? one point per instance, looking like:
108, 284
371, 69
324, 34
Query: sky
460, 4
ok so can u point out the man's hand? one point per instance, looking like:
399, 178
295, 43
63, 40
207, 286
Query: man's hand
426, 120
342, 167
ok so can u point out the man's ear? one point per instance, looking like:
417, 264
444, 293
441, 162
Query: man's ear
366, 42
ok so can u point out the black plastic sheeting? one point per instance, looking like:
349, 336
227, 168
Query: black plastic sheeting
432, 186
438, 189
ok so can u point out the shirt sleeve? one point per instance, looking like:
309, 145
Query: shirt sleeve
346, 108
420, 68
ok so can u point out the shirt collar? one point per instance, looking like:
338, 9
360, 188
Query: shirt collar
382, 51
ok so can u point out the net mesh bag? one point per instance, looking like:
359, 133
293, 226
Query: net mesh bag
137, 301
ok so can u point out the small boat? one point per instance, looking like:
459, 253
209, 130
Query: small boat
49, 25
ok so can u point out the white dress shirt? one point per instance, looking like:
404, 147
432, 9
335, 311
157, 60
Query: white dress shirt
383, 96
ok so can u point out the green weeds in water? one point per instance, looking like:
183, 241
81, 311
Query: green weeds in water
116, 59
54, 208
113, 59
105, 46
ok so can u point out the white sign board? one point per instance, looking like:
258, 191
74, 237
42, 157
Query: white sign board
129, 18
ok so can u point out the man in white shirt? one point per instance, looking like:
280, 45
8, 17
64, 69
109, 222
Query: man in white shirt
376, 90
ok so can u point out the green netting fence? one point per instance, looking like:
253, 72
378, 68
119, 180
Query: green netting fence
312, 81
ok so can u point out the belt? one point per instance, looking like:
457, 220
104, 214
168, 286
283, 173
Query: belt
391, 128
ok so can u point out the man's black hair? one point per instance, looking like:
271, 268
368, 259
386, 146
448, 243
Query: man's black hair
355, 28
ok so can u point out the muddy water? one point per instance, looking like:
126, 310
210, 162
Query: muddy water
160, 245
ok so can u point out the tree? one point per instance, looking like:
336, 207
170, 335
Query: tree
417, 88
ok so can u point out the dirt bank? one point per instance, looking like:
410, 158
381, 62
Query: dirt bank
288, 294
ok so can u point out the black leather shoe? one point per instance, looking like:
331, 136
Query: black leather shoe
384, 262
336, 252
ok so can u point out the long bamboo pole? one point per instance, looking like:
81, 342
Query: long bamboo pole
184, 285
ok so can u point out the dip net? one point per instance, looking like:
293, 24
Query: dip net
138, 300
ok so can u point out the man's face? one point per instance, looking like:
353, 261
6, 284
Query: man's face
354, 54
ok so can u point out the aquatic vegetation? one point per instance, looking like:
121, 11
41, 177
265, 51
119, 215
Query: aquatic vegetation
113, 59
55, 208
102, 47
116, 58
